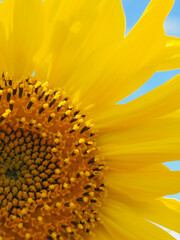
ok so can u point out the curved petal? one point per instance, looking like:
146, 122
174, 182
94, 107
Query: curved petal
153, 142
120, 220
146, 183
97, 69
171, 56
131, 62
154, 104
79, 30
164, 211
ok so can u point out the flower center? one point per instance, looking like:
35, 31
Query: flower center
51, 177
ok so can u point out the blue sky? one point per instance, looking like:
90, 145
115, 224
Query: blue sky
133, 10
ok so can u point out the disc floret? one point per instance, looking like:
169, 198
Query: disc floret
51, 182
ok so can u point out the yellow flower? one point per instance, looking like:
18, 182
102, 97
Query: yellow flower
74, 164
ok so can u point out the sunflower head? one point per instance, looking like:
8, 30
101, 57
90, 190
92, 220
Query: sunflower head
74, 164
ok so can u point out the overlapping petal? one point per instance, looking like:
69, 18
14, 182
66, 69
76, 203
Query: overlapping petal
83, 50
154, 104
22, 38
131, 62
120, 220
79, 30
154, 142
171, 56
163, 211
145, 183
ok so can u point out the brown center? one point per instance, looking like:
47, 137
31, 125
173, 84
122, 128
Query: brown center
51, 177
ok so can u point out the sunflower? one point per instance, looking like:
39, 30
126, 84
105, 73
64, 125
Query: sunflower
74, 164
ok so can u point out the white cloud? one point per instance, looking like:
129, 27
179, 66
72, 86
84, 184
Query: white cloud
172, 26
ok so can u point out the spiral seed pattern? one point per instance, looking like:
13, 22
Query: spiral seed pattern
51, 175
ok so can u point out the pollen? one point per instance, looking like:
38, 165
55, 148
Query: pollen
52, 176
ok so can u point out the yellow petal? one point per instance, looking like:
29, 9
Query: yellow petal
111, 81
25, 36
156, 103
120, 220
3, 49
101, 233
171, 56
164, 211
5, 17
79, 30
145, 183
153, 142
6, 8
